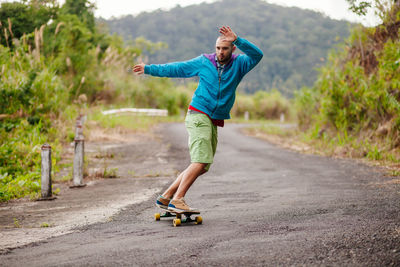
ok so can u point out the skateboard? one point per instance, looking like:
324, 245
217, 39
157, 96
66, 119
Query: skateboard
178, 217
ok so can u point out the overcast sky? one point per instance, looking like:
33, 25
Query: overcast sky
336, 9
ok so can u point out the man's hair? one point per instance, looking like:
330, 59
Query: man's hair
222, 38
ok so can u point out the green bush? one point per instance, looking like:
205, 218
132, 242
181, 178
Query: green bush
263, 105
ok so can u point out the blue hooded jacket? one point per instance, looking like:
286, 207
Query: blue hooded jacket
215, 94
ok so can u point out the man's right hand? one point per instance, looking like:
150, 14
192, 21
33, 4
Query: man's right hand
139, 68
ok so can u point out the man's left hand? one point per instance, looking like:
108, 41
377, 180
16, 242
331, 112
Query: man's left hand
228, 34
139, 68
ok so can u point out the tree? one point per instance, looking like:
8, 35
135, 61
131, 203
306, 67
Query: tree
361, 8
385, 9
17, 19
83, 9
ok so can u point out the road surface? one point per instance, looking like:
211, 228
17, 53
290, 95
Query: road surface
261, 205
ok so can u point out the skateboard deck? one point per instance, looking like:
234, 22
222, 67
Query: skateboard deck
178, 217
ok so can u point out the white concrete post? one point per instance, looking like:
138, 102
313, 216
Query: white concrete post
282, 118
246, 116
78, 161
79, 152
46, 171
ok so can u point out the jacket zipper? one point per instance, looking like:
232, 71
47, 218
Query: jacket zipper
219, 90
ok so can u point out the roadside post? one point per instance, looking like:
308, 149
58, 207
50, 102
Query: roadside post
246, 116
282, 118
79, 152
46, 188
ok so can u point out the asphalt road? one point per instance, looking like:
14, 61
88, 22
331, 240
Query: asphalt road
261, 205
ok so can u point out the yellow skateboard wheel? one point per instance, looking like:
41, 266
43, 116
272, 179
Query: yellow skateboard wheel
177, 222
157, 216
199, 220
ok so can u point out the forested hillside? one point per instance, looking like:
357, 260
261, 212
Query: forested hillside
294, 41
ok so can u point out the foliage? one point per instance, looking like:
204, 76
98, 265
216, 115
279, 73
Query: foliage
53, 71
382, 8
263, 105
360, 8
20, 153
306, 106
356, 97
17, 19
49, 70
294, 41
127, 121
82, 9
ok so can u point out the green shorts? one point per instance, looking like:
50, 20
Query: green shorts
203, 138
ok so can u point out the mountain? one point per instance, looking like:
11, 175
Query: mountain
294, 41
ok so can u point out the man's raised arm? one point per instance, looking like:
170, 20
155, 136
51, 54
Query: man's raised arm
253, 53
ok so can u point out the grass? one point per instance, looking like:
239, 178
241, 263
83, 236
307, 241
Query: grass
102, 155
16, 223
394, 173
241, 119
273, 128
56, 191
65, 178
137, 123
44, 225
110, 173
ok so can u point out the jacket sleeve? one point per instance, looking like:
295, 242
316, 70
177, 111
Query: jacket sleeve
252, 56
184, 69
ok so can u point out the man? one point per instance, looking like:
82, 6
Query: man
220, 74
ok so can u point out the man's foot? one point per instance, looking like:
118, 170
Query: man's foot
162, 202
180, 205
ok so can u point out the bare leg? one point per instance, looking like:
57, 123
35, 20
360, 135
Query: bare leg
169, 193
194, 170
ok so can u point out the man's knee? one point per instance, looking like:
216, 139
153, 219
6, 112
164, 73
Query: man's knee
201, 167
204, 169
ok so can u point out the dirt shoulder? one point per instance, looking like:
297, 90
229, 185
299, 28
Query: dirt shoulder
142, 165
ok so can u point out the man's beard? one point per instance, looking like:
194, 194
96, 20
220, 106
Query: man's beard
225, 60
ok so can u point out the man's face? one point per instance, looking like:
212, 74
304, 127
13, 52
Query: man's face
224, 50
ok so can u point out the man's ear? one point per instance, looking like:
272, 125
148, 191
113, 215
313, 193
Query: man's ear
233, 48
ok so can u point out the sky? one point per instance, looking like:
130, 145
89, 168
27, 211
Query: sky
336, 9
